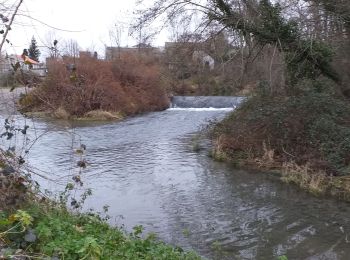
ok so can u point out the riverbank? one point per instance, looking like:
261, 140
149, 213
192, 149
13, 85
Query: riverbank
315, 182
61, 114
305, 139
11, 97
33, 226
42, 229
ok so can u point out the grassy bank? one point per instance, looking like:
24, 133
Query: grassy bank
304, 137
97, 89
43, 231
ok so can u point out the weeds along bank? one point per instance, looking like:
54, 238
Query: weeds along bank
91, 88
306, 137
44, 231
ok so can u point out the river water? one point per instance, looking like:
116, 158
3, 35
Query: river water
145, 169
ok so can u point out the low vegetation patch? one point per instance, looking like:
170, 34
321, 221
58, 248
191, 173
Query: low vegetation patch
306, 136
317, 182
103, 115
86, 86
43, 231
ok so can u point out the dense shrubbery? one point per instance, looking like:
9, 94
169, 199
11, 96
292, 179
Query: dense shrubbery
128, 85
312, 128
43, 232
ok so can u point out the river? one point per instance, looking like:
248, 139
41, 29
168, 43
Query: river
145, 169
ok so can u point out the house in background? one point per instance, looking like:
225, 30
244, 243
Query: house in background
203, 59
88, 54
112, 52
187, 58
8, 62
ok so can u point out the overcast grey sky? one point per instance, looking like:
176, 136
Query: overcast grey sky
91, 21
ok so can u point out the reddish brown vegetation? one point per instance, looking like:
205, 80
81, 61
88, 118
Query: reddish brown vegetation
129, 85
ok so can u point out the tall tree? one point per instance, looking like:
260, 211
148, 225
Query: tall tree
71, 48
261, 23
33, 51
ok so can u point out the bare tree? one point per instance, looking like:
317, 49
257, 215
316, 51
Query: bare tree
143, 35
52, 44
115, 35
71, 48
7, 22
260, 24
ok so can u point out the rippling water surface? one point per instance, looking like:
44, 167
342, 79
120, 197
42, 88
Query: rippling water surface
145, 170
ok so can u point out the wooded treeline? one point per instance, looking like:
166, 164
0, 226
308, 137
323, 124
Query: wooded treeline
280, 42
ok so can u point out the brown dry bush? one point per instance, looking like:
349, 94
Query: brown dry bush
129, 85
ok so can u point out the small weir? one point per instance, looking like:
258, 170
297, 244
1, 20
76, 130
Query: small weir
205, 101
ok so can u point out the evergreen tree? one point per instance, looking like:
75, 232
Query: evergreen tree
34, 52
25, 52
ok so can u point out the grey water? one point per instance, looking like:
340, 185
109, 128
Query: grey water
145, 169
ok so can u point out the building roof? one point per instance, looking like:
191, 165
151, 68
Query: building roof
28, 60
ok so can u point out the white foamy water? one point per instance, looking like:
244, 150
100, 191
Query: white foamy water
202, 109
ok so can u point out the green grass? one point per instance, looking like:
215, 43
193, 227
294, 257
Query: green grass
62, 234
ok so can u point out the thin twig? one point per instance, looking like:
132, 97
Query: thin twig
8, 28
